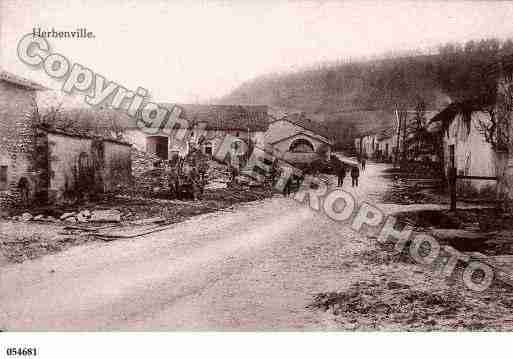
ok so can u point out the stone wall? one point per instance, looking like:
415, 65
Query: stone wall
17, 140
117, 166
142, 162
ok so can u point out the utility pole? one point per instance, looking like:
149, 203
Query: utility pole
398, 119
404, 116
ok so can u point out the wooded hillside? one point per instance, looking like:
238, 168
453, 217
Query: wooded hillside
364, 94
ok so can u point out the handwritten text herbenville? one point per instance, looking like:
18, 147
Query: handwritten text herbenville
80, 33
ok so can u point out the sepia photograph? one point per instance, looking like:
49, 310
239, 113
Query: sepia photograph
171, 166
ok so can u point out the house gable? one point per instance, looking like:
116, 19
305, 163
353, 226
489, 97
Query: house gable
282, 129
301, 135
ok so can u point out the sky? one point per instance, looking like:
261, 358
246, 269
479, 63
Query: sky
194, 51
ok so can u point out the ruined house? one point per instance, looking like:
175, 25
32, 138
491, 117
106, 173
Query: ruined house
294, 138
50, 161
207, 127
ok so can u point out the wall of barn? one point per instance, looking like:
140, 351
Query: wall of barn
64, 153
17, 141
473, 155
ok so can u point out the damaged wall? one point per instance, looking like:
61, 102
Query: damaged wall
117, 165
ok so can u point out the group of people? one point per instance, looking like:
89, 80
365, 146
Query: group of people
355, 173
294, 182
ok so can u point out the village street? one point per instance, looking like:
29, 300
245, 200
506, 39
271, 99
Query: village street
258, 267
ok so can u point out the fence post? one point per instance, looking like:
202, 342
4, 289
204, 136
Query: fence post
452, 177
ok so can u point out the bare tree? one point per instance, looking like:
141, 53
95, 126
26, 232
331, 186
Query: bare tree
502, 139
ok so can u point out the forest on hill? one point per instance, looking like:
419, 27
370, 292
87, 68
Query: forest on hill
358, 96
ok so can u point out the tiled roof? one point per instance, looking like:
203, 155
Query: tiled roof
387, 133
300, 119
20, 81
87, 122
226, 117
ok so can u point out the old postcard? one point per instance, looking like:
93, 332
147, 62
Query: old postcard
255, 166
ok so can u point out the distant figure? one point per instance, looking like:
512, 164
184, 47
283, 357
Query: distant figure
363, 164
341, 174
355, 173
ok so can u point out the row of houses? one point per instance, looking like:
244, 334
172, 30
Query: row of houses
459, 127
380, 144
295, 137
77, 150
466, 134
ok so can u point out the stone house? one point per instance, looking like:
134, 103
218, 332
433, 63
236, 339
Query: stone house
207, 127
18, 174
48, 161
297, 139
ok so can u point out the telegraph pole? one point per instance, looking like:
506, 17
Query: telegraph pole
398, 119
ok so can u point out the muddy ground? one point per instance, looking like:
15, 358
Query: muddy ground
396, 293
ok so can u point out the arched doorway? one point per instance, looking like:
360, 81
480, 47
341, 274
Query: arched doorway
301, 146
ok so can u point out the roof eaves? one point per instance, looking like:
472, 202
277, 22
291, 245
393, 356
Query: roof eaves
20, 81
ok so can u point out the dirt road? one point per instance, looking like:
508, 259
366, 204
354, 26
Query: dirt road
256, 268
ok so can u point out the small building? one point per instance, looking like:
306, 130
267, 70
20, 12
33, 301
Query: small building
50, 161
387, 142
461, 126
297, 139
80, 165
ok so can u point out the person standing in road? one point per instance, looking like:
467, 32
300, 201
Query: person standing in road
363, 164
355, 173
341, 174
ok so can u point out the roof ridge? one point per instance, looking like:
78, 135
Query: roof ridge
20, 81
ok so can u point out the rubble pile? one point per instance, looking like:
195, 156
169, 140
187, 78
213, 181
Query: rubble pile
84, 216
148, 173
218, 175
152, 182
142, 162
